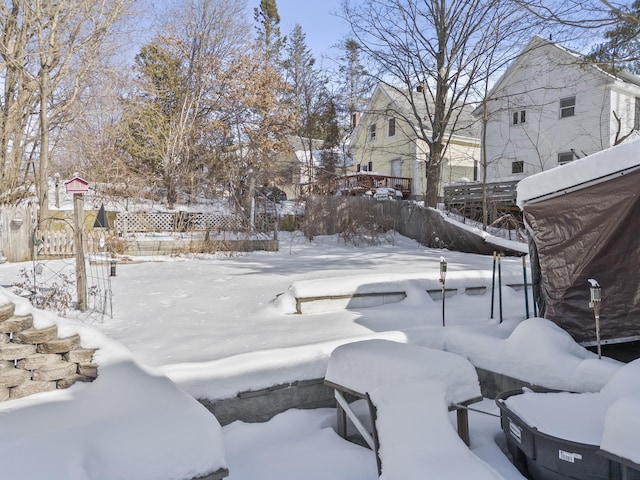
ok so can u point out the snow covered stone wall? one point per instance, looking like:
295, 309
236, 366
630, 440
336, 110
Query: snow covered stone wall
36, 360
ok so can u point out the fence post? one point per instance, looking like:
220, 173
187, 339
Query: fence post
81, 269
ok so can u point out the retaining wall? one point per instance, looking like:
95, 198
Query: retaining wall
261, 405
37, 360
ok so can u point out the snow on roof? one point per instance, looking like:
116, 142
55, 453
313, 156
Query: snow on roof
591, 169
370, 364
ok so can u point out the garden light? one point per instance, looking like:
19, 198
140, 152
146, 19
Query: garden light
443, 277
594, 302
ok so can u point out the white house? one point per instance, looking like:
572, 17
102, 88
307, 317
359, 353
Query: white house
301, 168
384, 142
551, 106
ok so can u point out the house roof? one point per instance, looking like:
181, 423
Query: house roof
536, 42
300, 146
399, 101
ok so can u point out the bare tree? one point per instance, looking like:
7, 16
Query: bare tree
49, 51
433, 53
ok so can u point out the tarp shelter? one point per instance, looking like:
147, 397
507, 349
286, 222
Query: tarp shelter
583, 221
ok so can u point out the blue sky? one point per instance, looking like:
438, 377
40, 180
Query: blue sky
316, 17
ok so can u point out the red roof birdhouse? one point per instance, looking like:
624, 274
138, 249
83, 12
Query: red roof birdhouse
77, 185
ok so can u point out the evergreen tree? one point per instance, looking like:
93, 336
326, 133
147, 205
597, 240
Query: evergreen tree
307, 96
330, 148
621, 50
269, 39
147, 130
307, 85
355, 78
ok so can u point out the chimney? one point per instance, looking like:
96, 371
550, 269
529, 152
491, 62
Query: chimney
355, 120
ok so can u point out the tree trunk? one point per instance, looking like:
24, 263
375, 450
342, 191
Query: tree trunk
434, 170
170, 184
485, 120
433, 184
43, 170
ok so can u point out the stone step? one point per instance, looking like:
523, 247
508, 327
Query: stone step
36, 335
81, 355
55, 371
4, 338
60, 345
30, 387
6, 365
70, 380
88, 369
38, 360
6, 311
16, 351
13, 378
16, 324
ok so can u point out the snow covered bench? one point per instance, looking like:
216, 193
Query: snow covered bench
413, 435
414, 373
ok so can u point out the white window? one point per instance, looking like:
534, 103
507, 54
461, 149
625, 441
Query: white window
567, 107
565, 157
372, 131
391, 127
519, 117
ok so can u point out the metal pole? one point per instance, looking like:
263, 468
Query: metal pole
443, 277
526, 290
594, 302
493, 283
500, 287
598, 332
443, 304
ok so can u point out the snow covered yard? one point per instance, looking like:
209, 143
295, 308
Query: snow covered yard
217, 326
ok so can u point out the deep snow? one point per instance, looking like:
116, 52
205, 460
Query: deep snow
219, 325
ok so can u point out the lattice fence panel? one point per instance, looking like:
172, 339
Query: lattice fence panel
140, 222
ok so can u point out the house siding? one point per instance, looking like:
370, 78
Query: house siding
542, 76
404, 146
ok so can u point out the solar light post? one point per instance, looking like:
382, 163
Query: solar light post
595, 299
443, 277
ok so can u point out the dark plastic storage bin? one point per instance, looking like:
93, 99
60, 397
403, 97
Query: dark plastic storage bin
544, 457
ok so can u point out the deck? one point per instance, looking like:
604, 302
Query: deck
359, 183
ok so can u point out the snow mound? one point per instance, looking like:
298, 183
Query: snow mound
129, 423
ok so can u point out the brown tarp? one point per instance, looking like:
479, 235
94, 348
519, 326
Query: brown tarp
593, 232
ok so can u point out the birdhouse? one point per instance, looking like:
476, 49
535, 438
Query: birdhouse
77, 185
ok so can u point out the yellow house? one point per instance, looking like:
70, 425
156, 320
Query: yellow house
384, 143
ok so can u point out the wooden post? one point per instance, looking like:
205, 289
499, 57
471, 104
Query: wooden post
462, 417
78, 240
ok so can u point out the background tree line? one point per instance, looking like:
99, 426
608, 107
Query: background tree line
207, 105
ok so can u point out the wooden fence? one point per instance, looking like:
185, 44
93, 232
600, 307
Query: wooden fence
346, 216
21, 239
60, 243
463, 193
17, 224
